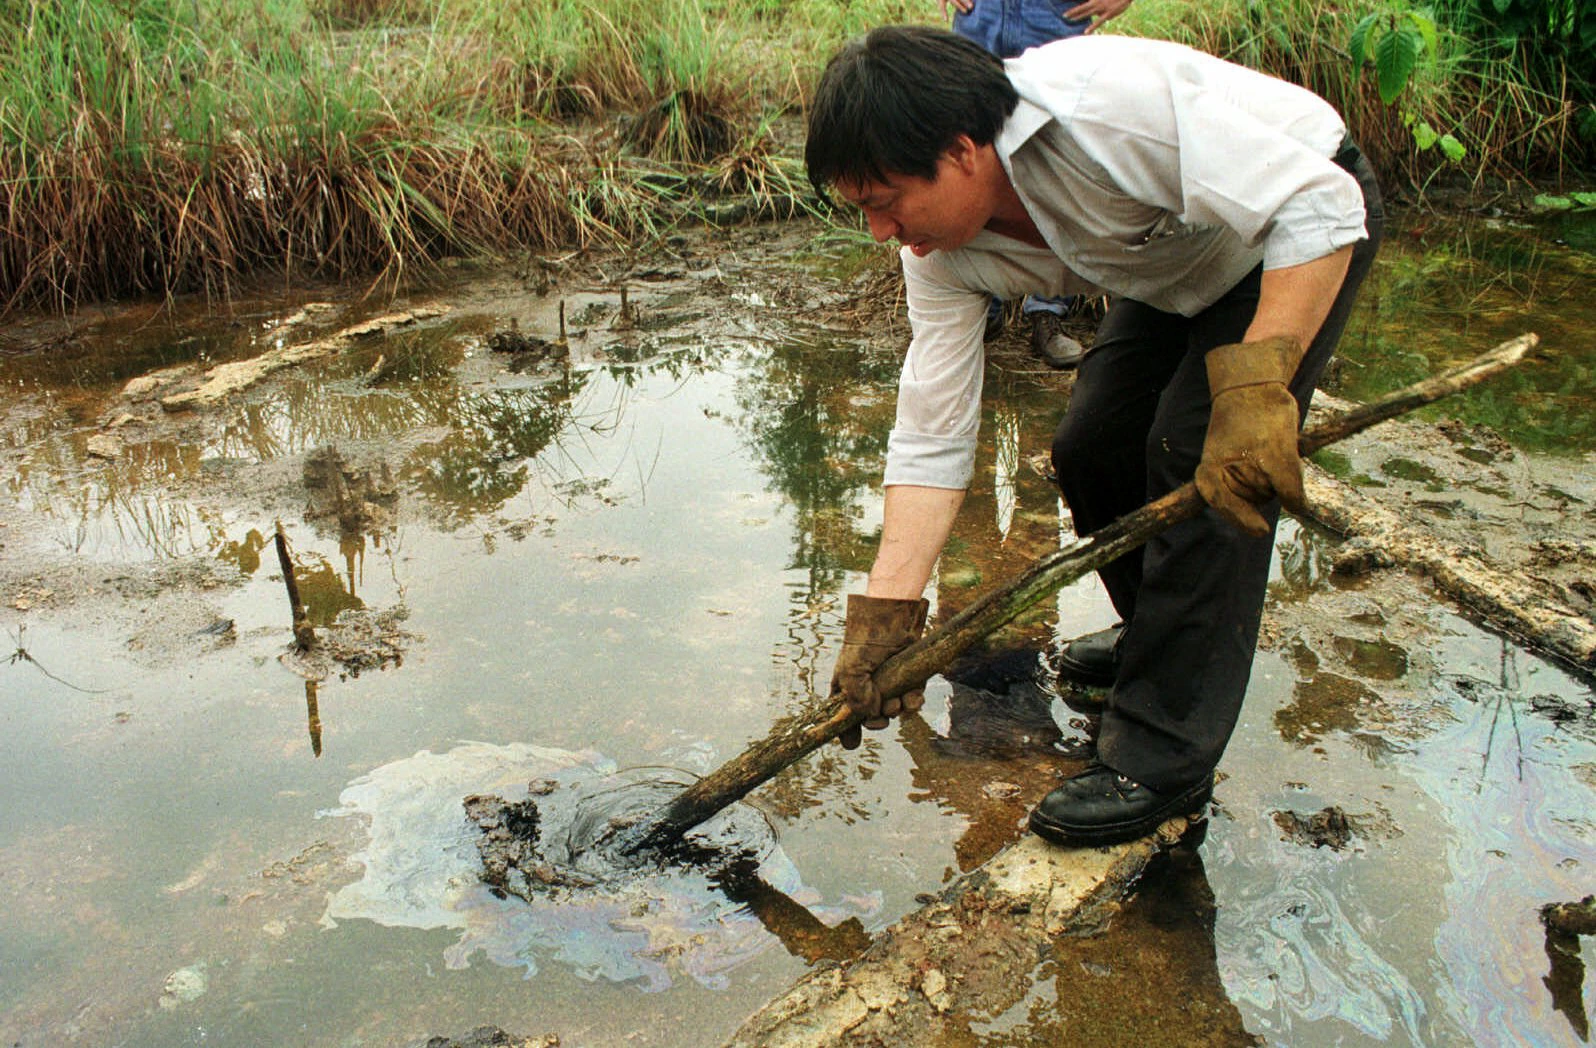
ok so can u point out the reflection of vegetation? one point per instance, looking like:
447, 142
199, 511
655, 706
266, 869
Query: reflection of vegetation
377, 392
1442, 293
1326, 703
481, 464
243, 555
817, 417
494, 437
324, 592
1418, 472
1372, 659
409, 356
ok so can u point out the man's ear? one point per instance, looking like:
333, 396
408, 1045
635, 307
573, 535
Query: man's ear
963, 154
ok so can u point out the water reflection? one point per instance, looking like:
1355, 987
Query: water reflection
1423, 935
113, 493
1445, 285
986, 750
800, 930
815, 414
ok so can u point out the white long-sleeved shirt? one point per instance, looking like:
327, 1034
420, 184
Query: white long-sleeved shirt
1154, 172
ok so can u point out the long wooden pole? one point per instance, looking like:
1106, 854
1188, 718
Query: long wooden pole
914, 665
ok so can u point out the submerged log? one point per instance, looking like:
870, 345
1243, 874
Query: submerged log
912, 667
223, 380
973, 953
1510, 602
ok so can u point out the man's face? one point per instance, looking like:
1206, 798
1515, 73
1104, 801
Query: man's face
924, 214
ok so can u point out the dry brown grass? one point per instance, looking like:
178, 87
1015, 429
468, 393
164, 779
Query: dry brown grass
74, 227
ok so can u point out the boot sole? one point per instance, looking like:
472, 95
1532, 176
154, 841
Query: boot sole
1191, 802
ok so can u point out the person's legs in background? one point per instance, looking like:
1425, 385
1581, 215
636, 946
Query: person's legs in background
1048, 339
1006, 28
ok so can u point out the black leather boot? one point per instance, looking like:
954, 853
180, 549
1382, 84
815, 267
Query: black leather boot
1101, 806
1092, 660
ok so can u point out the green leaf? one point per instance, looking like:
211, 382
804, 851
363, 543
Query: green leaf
1584, 199
1396, 54
1424, 136
1453, 149
1553, 203
1426, 29
1359, 44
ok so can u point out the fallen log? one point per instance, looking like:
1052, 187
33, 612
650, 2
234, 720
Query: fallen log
912, 667
973, 952
224, 380
1512, 603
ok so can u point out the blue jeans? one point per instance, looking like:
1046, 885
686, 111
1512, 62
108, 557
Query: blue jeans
1007, 27
1032, 305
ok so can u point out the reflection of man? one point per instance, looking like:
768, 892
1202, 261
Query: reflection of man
1232, 220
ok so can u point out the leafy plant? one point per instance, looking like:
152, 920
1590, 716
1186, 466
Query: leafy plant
1394, 40
1569, 202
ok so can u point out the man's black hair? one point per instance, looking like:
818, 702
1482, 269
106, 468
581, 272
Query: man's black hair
891, 102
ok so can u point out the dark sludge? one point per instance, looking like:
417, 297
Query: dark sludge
587, 834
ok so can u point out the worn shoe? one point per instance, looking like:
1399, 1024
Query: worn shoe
1101, 806
1092, 660
1049, 342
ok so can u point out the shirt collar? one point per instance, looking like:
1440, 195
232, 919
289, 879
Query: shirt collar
1025, 121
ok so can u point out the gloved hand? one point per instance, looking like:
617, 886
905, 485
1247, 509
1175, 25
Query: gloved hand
876, 628
1250, 452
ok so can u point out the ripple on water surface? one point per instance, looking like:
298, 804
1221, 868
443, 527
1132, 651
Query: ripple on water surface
422, 870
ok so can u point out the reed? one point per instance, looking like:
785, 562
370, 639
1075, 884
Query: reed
172, 146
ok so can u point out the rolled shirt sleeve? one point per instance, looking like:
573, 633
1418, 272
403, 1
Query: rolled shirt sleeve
933, 439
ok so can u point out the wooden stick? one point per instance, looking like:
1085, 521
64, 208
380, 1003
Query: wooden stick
304, 635
914, 665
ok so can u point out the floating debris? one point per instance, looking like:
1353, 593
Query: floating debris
1329, 828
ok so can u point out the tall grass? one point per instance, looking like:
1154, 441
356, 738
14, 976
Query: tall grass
1511, 129
165, 146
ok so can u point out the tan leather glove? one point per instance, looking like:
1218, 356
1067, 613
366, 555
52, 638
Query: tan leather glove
876, 628
1250, 452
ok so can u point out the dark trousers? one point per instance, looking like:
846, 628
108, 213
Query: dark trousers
1191, 598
